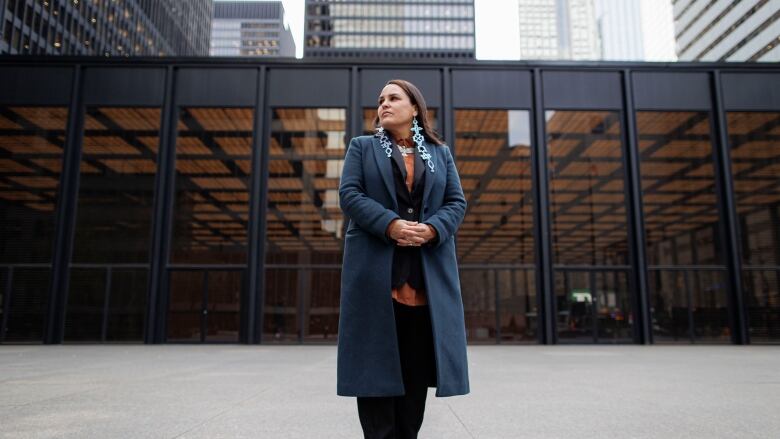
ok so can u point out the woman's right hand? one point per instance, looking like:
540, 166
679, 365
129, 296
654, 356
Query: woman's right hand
405, 233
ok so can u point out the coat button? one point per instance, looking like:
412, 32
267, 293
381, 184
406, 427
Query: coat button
410, 210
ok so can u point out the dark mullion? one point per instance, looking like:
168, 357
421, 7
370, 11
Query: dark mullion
594, 312
156, 310
638, 280
65, 218
155, 261
6, 302
263, 167
728, 215
255, 258
106, 304
539, 183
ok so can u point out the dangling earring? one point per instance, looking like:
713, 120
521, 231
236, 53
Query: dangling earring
418, 139
384, 142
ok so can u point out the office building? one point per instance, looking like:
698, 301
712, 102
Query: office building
558, 29
746, 30
250, 29
399, 28
620, 29
177, 201
105, 27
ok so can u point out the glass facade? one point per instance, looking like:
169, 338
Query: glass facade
687, 273
305, 226
589, 226
205, 209
754, 142
210, 223
496, 239
109, 271
105, 27
32, 141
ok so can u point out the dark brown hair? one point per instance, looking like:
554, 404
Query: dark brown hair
417, 99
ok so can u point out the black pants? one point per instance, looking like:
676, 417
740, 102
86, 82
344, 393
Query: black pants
400, 417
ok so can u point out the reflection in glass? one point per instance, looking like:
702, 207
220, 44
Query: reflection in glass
585, 162
205, 305
113, 221
304, 223
754, 139
588, 217
185, 305
31, 146
280, 314
213, 166
494, 164
682, 227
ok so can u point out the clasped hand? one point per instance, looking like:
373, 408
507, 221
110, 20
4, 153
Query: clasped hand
410, 233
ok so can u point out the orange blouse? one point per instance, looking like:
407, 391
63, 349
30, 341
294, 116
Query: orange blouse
406, 294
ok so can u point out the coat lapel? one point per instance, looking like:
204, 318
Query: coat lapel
385, 169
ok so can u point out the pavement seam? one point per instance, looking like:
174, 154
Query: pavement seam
460, 420
227, 409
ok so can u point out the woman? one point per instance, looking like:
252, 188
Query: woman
401, 327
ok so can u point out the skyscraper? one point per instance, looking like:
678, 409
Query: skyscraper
105, 27
747, 30
242, 28
620, 29
400, 28
558, 29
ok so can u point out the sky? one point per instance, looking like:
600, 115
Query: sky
496, 21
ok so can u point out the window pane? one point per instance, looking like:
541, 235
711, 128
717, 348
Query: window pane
32, 141
682, 227
28, 301
31, 145
478, 288
224, 298
116, 187
588, 215
213, 166
494, 163
754, 139
113, 220
585, 162
304, 223
127, 305
185, 307
280, 313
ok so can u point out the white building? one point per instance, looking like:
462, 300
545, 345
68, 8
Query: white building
620, 29
558, 29
747, 30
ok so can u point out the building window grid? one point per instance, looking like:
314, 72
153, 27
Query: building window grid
70, 25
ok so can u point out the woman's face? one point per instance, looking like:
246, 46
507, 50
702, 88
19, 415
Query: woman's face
395, 110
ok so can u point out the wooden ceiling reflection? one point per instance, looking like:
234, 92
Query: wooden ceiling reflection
31, 144
213, 169
496, 178
307, 148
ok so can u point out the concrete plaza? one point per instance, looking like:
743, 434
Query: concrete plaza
238, 391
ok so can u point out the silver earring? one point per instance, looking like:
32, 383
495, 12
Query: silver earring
384, 142
418, 140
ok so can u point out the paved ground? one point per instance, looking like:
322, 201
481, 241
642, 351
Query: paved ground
175, 391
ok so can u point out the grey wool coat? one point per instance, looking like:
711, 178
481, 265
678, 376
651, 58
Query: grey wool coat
368, 360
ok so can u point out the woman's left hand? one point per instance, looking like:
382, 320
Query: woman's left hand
424, 231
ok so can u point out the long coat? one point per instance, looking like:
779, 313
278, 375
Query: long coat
368, 359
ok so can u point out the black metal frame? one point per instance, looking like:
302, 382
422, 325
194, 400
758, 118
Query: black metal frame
253, 297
